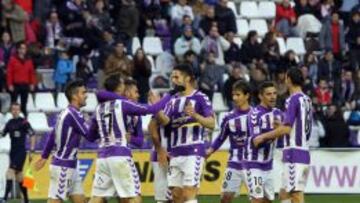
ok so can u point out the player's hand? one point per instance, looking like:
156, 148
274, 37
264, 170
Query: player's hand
128, 137
162, 157
153, 97
189, 110
39, 164
276, 123
30, 157
209, 152
257, 141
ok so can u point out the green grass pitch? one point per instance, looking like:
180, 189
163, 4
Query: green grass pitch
215, 199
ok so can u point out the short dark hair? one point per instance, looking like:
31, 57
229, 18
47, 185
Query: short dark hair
243, 86
264, 85
112, 82
130, 82
72, 88
186, 69
295, 76
18, 44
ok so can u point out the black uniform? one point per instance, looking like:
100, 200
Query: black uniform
18, 128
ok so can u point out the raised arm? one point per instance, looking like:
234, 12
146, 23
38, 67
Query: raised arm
220, 139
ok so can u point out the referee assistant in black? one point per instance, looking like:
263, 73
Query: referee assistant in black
18, 128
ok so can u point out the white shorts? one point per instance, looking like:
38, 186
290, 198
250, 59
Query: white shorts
294, 176
185, 171
232, 180
260, 184
116, 177
64, 182
162, 191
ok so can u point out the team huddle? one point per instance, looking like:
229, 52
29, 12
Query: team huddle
178, 128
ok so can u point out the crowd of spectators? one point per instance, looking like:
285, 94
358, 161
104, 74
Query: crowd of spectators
47, 34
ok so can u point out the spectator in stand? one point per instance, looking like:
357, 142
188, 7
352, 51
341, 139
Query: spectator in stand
323, 93
271, 51
332, 36
289, 60
211, 78
353, 39
20, 75
317, 133
233, 53
186, 42
71, 15
207, 21
327, 8
345, 90
225, 18
237, 73
310, 61
127, 22
216, 44
27, 6
251, 50
285, 19
186, 22
105, 49
7, 49
14, 19
302, 7
308, 85
118, 62
336, 130
101, 17
83, 70
178, 11
282, 91
142, 73
257, 76
191, 59
53, 30
329, 68
64, 69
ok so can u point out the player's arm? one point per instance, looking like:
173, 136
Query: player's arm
220, 139
155, 137
30, 131
284, 128
50, 143
205, 117
137, 138
92, 134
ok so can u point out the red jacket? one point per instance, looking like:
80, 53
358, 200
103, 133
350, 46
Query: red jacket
27, 5
323, 97
20, 71
282, 12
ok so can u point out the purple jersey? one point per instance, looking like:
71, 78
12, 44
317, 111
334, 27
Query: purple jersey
261, 120
234, 126
66, 137
111, 118
298, 116
134, 124
187, 135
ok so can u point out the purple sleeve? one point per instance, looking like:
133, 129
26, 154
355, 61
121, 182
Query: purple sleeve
93, 134
79, 123
50, 143
138, 138
291, 112
222, 136
132, 108
207, 110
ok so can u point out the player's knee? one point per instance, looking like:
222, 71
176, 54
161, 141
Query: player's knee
283, 195
176, 193
189, 193
19, 177
297, 197
10, 174
227, 197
